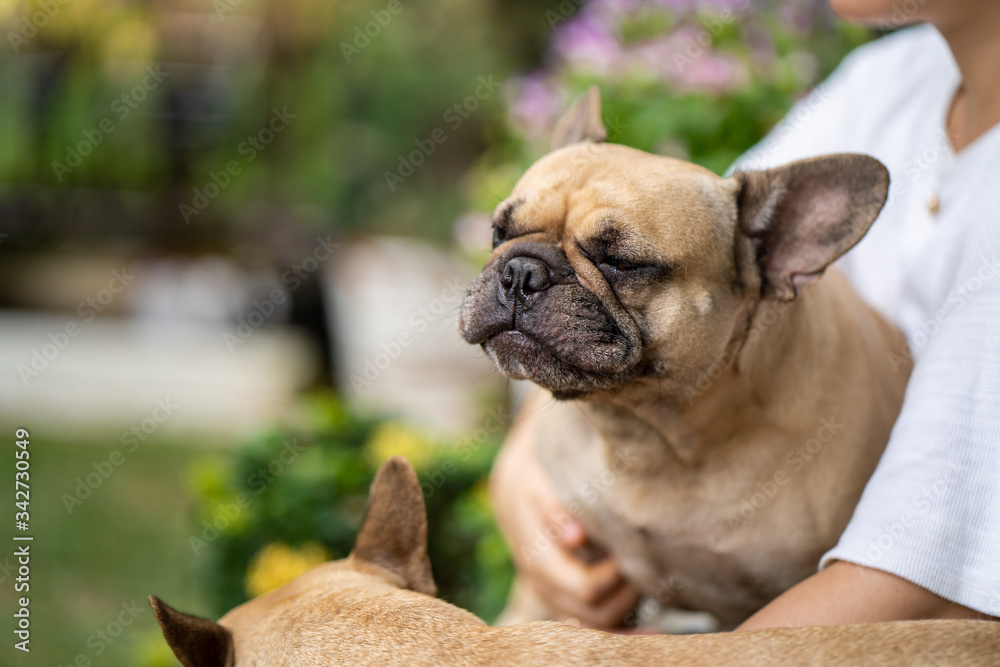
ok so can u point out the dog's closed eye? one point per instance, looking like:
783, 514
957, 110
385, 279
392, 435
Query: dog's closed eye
499, 235
624, 267
619, 263
502, 221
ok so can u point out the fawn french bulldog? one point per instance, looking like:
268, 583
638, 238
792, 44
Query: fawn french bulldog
377, 607
721, 402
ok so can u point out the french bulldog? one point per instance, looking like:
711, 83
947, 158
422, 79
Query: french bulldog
377, 607
722, 397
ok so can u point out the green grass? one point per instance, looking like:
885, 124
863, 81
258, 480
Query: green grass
126, 541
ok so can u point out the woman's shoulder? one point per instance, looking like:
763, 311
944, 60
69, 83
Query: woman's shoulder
908, 54
881, 100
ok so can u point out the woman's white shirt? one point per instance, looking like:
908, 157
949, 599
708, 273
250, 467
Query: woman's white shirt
931, 511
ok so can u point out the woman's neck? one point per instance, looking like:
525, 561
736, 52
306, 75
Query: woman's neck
974, 40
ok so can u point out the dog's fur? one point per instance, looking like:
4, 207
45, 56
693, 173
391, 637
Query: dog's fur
376, 608
718, 421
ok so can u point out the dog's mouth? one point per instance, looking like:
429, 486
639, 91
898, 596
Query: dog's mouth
567, 363
509, 348
519, 356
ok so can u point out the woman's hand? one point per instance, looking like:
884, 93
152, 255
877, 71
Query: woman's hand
543, 536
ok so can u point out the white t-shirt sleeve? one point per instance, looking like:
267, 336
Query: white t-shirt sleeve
931, 511
821, 123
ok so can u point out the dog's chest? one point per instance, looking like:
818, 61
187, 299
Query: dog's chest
672, 534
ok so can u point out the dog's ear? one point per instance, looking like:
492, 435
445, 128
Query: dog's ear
197, 642
394, 532
582, 122
795, 220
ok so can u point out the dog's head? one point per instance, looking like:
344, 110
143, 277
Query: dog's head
327, 612
610, 263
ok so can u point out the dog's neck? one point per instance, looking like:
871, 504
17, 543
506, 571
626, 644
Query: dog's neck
770, 356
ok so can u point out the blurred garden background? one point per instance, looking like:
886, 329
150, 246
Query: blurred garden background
234, 236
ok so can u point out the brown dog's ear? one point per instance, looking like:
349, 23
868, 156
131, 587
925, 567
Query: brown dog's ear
582, 122
197, 642
802, 216
394, 532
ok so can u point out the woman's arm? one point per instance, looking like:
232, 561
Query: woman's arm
543, 536
844, 593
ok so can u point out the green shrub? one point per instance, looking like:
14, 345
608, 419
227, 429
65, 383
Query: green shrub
701, 80
305, 504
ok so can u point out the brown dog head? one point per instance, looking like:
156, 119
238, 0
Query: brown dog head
389, 556
611, 264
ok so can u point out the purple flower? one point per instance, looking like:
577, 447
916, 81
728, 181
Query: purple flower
585, 42
796, 17
713, 72
611, 8
676, 5
761, 46
733, 5
660, 56
537, 105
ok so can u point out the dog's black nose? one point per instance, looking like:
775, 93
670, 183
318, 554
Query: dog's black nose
523, 278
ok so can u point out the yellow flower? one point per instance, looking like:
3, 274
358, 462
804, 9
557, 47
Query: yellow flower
480, 495
394, 439
277, 564
129, 45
